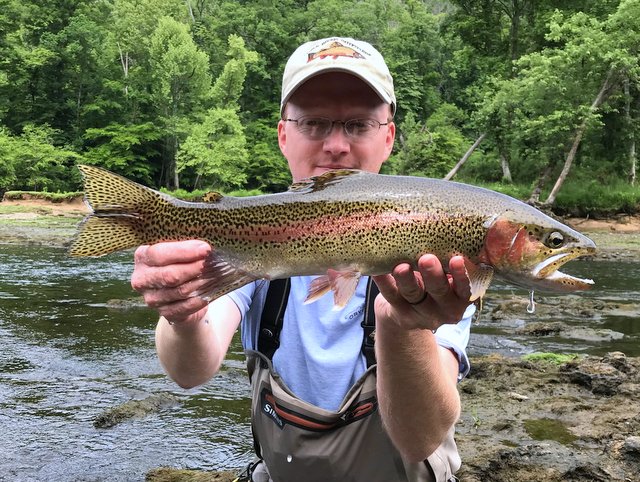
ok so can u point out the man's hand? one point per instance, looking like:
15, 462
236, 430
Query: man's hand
166, 274
426, 298
416, 376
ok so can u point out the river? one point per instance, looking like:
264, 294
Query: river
69, 353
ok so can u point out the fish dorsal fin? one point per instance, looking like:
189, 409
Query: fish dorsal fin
211, 197
318, 183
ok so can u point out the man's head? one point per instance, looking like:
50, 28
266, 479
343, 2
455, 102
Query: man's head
326, 84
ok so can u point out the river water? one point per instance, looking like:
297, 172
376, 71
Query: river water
69, 353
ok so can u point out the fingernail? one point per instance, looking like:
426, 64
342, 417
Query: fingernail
203, 249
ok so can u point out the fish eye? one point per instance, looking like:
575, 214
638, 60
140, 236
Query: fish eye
555, 240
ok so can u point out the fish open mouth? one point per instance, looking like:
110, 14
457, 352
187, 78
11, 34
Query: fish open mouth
548, 270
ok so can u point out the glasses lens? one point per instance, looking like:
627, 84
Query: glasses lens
361, 127
314, 127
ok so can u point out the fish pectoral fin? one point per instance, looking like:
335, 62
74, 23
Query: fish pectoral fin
480, 277
222, 278
342, 283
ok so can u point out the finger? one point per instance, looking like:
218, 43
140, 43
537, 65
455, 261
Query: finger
409, 285
460, 279
435, 279
155, 298
387, 286
174, 252
146, 277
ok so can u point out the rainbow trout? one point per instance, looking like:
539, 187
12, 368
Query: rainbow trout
340, 225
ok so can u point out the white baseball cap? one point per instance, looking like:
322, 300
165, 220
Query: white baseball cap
338, 54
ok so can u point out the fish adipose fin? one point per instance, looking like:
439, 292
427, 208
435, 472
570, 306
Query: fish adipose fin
480, 277
342, 283
117, 220
222, 278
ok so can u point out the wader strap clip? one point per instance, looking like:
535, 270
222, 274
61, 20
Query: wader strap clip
273, 316
369, 324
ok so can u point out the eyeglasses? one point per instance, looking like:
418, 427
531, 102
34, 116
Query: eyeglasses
318, 128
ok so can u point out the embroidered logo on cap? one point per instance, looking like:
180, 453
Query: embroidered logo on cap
335, 50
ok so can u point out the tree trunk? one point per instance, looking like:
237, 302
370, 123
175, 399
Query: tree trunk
534, 198
190, 9
466, 156
632, 137
632, 155
506, 172
124, 62
600, 98
176, 176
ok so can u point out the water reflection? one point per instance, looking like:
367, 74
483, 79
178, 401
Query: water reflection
68, 355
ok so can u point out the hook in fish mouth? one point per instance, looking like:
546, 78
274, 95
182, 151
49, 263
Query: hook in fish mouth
548, 269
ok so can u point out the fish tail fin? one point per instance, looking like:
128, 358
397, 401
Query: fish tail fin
117, 220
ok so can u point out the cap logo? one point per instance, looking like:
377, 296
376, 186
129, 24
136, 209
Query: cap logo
335, 50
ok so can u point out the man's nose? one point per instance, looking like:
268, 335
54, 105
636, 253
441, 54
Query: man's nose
337, 141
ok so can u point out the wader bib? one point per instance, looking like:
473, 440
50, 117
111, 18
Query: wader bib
299, 441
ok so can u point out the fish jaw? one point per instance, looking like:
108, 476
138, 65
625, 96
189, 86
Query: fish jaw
525, 254
547, 272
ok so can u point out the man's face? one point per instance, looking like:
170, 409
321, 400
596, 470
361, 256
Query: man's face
335, 96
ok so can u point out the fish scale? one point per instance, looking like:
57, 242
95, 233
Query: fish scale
347, 222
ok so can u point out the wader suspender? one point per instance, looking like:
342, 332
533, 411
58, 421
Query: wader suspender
273, 316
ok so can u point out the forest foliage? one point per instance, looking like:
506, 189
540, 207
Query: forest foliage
185, 93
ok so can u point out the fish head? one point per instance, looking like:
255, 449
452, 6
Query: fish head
529, 253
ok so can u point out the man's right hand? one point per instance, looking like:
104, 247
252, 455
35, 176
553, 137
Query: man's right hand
166, 274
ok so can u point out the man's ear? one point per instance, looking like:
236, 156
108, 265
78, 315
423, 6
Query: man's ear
282, 136
390, 139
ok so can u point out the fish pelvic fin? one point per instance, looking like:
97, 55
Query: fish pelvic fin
222, 277
342, 283
117, 218
480, 276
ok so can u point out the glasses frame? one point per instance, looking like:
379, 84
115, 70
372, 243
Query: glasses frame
334, 122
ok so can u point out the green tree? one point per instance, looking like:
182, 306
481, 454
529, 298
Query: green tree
180, 85
33, 162
123, 148
430, 148
216, 151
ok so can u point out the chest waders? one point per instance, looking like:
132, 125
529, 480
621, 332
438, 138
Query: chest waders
301, 442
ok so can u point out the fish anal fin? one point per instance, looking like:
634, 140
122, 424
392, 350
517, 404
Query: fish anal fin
342, 283
222, 278
480, 276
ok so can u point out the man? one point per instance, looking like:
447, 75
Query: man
319, 412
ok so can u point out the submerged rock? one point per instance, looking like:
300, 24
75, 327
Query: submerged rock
167, 474
135, 409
